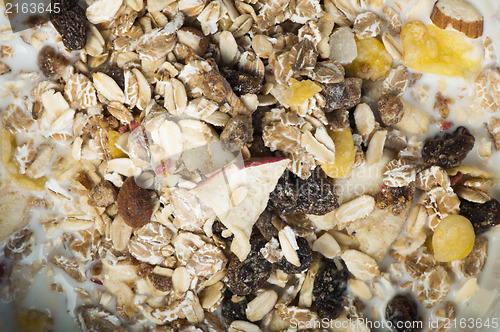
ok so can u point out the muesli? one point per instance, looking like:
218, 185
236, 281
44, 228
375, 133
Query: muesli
268, 165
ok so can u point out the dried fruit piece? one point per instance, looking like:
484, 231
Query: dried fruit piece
232, 311
345, 153
396, 199
429, 49
134, 204
242, 83
314, 195
402, 312
103, 194
297, 92
448, 151
51, 62
462, 16
250, 275
373, 60
70, 22
330, 288
453, 239
305, 258
113, 149
345, 94
33, 321
482, 216
390, 109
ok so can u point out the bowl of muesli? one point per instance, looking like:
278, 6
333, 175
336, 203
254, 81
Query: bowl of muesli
253, 165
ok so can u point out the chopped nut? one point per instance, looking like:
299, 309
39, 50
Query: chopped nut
376, 147
261, 305
327, 246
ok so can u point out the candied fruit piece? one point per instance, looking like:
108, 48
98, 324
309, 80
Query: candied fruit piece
345, 153
33, 321
112, 138
330, 287
297, 92
314, 195
483, 216
453, 238
402, 312
448, 151
443, 52
373, 60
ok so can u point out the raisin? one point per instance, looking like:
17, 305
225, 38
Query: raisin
265, 226
70, 21
482, 216
402, 312
232, 311
161, 283
104, 194
134, 204
242, 83
19, 245
51, 62
238, 130
396, 199
314, 195
116, 73
250, 275
390, 109
258, 148
345, 94
448, 151
330, 287
305, 258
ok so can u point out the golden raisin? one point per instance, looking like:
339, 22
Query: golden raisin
453, 239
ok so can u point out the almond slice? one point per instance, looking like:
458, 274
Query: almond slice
462, 16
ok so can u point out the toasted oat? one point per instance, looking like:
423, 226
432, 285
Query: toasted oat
356, 209
360, 265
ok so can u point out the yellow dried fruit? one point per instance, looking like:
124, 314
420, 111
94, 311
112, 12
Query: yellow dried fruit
443, 52
33, 321
345, 153
373, 60
453, 239
297, 92
114, 150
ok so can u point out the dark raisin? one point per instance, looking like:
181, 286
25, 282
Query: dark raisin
402, 312
448, 151
390, 109
305, 257
330, 287
345, 94
161, 283
19, 245
265, 226
238, 130
232, 311
482, 216
258, 148
258, 119
70, 22
134, 204
314, 195
242, 83
116, 73
250, 275
396, 199
338, 119
104, 194
51, 62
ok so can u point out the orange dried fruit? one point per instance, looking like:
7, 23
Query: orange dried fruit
114, 150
